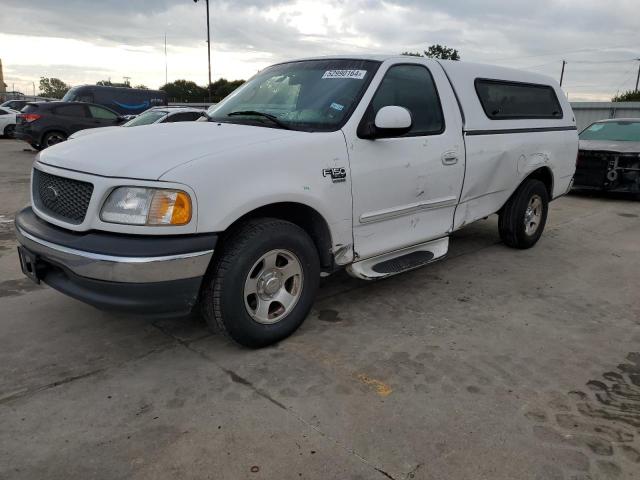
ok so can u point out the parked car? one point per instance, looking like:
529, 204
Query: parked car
125, 101
42, 125
609, 156
311, 166
7, 122
153, 115
14, 104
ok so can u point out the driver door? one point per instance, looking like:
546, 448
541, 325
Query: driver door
406, 188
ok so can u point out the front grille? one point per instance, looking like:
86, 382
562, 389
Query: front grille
60, 197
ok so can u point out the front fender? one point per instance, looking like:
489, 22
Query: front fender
292, 169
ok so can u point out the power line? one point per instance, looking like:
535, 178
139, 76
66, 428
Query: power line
626, 75
555, 52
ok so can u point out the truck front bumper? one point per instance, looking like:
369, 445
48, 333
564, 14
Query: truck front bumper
148, 275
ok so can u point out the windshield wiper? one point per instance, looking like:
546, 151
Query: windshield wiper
269, 116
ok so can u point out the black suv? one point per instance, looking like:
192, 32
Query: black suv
42, 124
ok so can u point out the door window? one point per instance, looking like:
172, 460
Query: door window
102, 113
71, 111
411, 87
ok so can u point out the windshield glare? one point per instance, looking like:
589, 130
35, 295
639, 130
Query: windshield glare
309, 95
622, 131
145, 118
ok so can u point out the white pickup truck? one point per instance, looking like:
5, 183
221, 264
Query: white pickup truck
367, 163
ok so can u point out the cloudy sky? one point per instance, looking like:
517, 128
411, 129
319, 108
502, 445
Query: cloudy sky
86, 41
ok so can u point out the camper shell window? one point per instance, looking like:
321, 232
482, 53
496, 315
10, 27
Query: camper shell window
506, 100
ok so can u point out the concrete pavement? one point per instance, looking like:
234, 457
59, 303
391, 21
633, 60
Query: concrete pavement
493, 364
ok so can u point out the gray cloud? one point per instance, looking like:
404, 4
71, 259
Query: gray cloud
535, 35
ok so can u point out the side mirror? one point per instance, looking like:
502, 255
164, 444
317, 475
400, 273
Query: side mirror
390, 121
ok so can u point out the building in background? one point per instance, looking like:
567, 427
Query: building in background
3, 86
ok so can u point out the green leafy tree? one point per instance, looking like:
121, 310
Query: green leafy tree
188, 91
628, 96
52, 87
437, 51
185, 91
221, 88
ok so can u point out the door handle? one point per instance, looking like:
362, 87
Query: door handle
449, 158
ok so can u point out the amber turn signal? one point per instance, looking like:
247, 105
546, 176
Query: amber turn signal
169, 207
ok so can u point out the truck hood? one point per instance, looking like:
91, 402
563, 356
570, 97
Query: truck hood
610, 146
148, 151
91, 131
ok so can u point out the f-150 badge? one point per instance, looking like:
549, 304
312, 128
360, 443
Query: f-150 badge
337, 174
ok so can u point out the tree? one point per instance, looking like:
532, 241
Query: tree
221, 88
141, 87
437, 51
188, 91
628, 96
184, 91
52, 87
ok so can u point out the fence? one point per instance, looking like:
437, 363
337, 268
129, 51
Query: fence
588, 112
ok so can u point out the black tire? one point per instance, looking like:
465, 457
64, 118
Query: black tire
9, 131
512, 225
35, 146
223, 294
52, 138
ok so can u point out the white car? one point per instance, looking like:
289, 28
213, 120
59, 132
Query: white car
148, 117
364, 163
7, 121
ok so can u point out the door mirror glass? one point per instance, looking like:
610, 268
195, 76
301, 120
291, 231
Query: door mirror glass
394, 118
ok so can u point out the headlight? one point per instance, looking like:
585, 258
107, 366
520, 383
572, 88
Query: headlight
147, 206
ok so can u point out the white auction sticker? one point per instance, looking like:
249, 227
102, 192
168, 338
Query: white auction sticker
356, 74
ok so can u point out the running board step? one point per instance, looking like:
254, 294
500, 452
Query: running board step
399, 261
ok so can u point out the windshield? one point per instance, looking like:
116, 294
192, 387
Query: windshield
145, 118
70, 95
622, 131
312, 95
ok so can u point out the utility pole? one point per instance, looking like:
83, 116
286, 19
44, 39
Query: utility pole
638, 77
208, 48
166, 76
564, 62
126, 80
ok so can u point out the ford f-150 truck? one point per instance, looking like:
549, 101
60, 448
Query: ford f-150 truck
366, 163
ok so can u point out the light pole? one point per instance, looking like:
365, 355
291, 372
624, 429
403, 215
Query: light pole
208, 49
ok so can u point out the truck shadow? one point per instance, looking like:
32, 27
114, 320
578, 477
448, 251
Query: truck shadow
469, 240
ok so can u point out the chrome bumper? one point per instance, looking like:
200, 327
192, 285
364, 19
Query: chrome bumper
118, 268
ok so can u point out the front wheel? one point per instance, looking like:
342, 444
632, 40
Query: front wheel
524, 216
262, 284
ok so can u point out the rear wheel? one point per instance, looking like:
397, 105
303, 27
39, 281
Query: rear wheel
262, 285
52, 138
524, 216
9, 131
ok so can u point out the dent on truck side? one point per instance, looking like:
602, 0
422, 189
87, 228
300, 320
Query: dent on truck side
292, 170
501, 154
